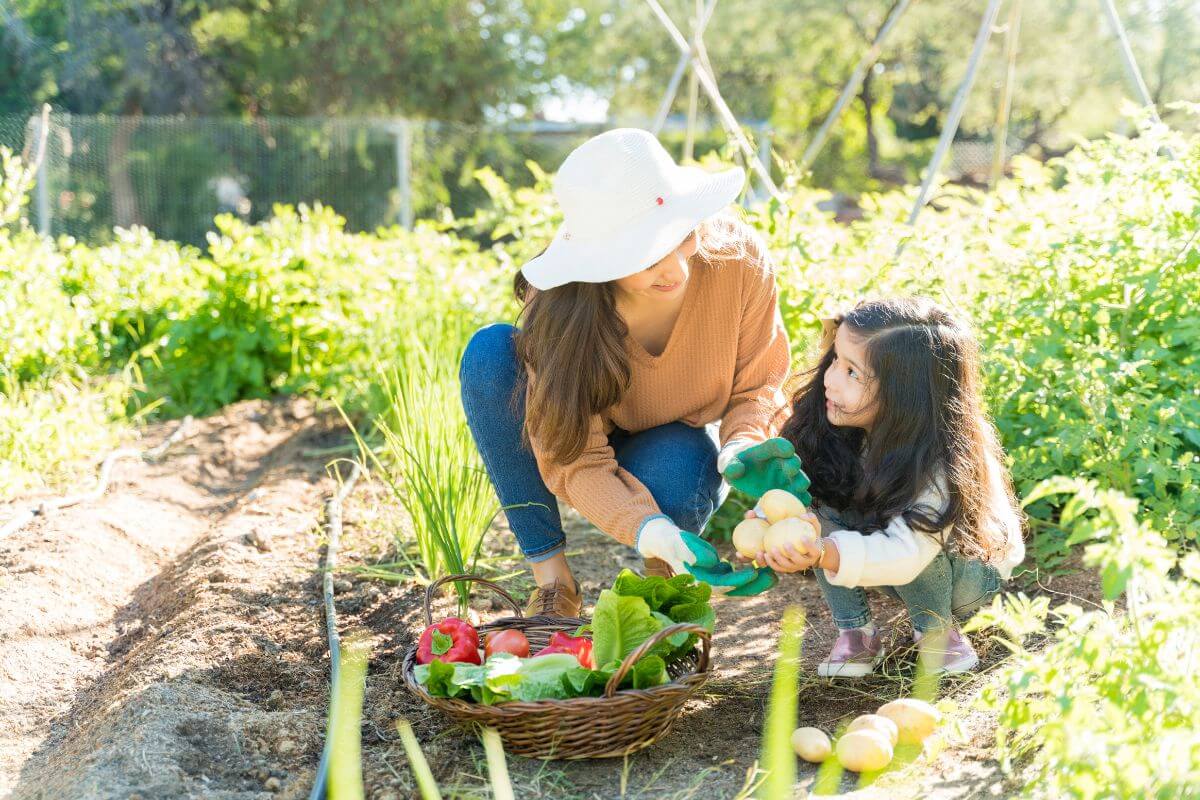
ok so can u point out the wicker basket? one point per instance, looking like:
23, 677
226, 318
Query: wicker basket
618, 723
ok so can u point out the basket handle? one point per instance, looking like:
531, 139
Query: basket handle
431, 591
659, 636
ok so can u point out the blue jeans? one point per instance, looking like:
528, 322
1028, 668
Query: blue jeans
950, 587
675, 462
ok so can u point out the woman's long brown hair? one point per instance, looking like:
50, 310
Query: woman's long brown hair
572, 344
929, 425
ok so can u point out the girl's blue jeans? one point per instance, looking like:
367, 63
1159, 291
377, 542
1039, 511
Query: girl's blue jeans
949, 588
675, 462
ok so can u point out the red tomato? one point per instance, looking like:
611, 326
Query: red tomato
506, 642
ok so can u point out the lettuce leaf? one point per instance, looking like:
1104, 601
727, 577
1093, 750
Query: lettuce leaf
664, 595
491, 682
619, 625
543, 677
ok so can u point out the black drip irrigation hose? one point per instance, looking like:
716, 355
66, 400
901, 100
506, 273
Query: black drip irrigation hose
153, 454
333, 530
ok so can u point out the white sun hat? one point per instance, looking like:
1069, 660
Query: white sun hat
626, 205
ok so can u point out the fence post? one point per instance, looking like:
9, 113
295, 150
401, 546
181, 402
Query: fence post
42, 190
764, 149
403, 137
956, 108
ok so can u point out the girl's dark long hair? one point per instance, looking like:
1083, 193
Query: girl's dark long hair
929, 429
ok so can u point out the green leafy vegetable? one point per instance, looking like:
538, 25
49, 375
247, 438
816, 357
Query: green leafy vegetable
441, 643
619, 625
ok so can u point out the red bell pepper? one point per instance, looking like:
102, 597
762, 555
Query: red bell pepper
449, 640
578, 646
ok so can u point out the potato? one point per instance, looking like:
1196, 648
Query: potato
874, 722
778, 504
915, 719
811, 744
794, 531
748, 536
864, 751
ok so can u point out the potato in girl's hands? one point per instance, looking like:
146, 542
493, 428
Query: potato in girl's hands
778, 504
795, 531
748, 536
790, 545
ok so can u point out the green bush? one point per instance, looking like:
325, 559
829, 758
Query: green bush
1108, 708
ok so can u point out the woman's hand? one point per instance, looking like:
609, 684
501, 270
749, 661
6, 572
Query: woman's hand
687, 553
770, 465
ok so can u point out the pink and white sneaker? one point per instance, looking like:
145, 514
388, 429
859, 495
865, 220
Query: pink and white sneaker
946, 652
855, 654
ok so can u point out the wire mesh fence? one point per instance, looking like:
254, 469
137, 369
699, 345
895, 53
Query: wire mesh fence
174, 174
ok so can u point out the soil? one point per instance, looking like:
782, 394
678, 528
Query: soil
167, 641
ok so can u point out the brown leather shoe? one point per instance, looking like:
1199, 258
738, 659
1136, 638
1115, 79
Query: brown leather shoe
657, 568
555, 600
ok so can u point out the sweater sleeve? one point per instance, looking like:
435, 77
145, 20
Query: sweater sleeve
757, 404
594, 484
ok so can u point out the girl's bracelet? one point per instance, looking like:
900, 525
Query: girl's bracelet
820, 552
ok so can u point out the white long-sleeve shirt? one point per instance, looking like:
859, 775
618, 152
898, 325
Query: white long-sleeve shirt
897, 554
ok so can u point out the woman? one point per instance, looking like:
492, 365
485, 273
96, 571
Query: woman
651, 315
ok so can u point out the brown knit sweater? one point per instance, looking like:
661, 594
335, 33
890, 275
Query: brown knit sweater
727, 359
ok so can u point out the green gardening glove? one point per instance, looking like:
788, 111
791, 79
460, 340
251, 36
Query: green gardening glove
723, 577
659, 537
770, 465
705, 553
709, 568
764, 578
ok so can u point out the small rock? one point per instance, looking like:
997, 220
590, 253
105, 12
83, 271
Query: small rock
218, 576
341, 585
300, 410
272, 784
259, 540
275, 701
285, 746
387, 796
136, 796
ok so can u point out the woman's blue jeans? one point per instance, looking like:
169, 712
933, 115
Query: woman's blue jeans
949, 588
675, 462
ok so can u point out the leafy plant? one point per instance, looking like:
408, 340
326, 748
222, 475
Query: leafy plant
428, 460
1108, 708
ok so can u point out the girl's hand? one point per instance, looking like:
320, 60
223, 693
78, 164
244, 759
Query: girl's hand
789, 559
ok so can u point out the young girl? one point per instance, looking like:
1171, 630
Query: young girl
906, 481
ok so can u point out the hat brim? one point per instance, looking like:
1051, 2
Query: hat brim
643, 242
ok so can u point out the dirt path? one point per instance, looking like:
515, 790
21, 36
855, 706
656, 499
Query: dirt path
144, 634
167, 642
